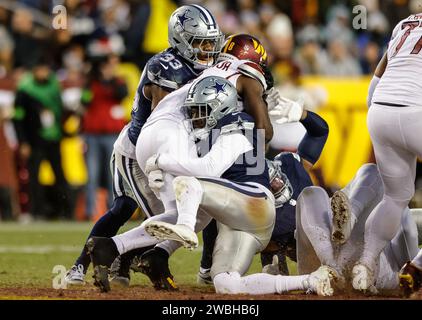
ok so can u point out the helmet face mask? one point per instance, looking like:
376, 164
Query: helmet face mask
208, 101
195, 34
280, 184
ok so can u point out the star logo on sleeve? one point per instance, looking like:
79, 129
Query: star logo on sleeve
239, 123
183, 18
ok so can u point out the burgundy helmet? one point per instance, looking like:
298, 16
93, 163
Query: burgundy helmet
245, 47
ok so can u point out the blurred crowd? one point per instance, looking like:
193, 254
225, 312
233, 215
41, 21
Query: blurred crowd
38, 62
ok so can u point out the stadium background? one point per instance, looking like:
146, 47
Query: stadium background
315, 54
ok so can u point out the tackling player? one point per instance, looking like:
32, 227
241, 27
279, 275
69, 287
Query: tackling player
250, 76
241, 201
196, 41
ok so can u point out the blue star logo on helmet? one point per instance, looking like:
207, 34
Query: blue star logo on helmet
219, 87
183, 18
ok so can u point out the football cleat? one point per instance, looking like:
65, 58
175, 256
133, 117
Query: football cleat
319, 281
363, 279
343, 219
119, 273
410, 278
154, 264
103, 252
177, 232
204, 277
75, 275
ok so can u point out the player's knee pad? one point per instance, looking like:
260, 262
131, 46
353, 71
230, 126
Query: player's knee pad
228, 283
186, 185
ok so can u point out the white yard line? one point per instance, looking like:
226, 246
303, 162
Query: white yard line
41, 249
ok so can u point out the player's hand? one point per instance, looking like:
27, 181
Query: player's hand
272, 98
152, 164
156, 181
287, 111
273, 267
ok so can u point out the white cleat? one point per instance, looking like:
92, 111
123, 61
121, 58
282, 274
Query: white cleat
363, 279
75, 276
177, 232
343, 219
319, 281
204, 277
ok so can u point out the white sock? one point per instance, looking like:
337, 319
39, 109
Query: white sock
291, 283
259, 283
138, 237
169, 246
133, 239
417, 261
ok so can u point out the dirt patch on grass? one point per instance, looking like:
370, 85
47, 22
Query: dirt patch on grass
89, 292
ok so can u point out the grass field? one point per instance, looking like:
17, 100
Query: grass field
28, 254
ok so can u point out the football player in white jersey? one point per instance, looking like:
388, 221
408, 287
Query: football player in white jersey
395, 126
316, 215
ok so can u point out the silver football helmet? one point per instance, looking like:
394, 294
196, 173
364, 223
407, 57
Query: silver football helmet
280, 184
193, 31
209, 100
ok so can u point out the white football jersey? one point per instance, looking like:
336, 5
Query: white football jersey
401, 82
170, 107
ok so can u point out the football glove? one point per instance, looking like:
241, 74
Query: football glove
273, 267
287, 111
156, 181
152, 164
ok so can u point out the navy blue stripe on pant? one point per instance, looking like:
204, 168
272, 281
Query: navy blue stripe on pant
239, 187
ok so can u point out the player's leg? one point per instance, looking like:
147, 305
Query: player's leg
347, 204
122, 209
401, 249
313, 230
164, 136
235, 205
233, 254
397, 166
411, 273
209, 235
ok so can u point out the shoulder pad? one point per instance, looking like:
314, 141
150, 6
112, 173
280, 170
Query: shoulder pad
252, 70
169, 71
235, 122
159, 73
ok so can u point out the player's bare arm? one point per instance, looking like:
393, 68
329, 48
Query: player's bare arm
252, 92
155, 94
382, 65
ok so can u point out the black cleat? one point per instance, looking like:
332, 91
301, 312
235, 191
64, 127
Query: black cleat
154, 263
103, 251
119, 272
410, 278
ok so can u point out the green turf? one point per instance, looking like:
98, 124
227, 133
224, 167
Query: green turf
28, 254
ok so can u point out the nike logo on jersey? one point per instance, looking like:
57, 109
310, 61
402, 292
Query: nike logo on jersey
164, 66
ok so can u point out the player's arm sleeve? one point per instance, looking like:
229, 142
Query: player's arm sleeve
162, 75
313, 142
222, 155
